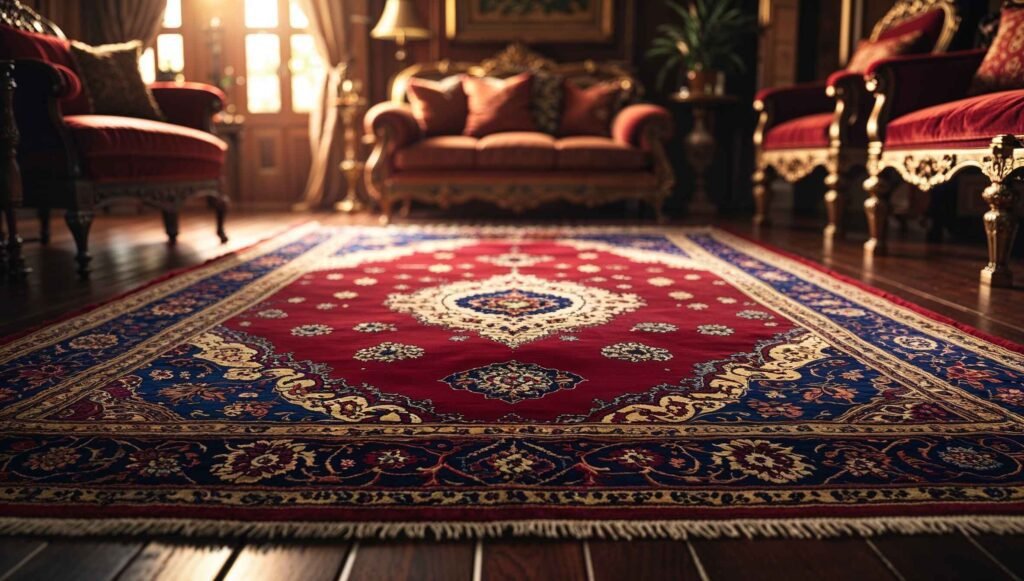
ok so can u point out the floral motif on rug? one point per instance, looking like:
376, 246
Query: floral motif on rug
461, 381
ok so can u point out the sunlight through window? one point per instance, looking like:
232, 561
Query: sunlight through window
261, 13
172, 14
307, 70
263, 61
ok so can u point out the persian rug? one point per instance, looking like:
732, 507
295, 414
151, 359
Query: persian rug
567, 382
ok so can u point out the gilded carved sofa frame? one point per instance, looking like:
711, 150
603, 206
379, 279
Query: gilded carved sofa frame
839, 159
514, 196
1001, 161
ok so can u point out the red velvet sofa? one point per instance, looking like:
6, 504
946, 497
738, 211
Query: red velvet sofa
518, 170
77, 161
926, 128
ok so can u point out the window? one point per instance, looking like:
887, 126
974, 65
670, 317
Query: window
166, 61
276, 35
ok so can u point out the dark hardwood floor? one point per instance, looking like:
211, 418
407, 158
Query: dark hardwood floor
130, 251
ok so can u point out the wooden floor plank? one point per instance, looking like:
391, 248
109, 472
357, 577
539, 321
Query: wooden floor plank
646, 560
75, 560
1008, 550
938, 558
14, 552
321, 562
790, 560
533, 560
413, 561
161, 561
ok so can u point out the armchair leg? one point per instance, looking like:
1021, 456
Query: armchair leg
762, 195
44, 224
79, 222
386, 204
15, 262
877, 209
1000, 229
835, 205
658, 205
220, 206
171, 225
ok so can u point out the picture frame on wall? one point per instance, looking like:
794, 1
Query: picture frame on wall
530, 21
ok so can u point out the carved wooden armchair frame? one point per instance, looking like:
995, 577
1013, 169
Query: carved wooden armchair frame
516, 197
1001, 161
39, 88
851, 100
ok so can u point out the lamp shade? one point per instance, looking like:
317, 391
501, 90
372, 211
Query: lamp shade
400, 21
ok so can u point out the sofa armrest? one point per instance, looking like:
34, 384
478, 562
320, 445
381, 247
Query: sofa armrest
396, 120
189, 104
905, 84
636, 124
44, 140
794, 101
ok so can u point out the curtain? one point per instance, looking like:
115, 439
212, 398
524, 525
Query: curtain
67, 14
110, 21
329, 23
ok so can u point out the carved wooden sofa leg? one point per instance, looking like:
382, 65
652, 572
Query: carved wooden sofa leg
79, 222
877, 209
1001, 230
762, 178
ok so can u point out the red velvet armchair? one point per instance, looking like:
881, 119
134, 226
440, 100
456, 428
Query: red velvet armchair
925, 129
518, 169
823, 124
77, 161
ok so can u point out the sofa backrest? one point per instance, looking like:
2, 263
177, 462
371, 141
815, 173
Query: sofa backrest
516, 59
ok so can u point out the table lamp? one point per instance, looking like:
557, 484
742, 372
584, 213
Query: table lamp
400, 22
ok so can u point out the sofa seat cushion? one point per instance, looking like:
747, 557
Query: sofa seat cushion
635, 180
516, 150
127, 149
967, 123
802, 132
442, 152
597, 153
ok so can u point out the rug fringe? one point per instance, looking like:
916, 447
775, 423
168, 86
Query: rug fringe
796, 528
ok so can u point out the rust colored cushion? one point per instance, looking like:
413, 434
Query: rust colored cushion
116, 148
588, 111
17, 44
808, 131
928, 25
516, 150
597, 153
439, 106
497, 105
967, 123
870, 51
112, 81
1003, 67
437, 153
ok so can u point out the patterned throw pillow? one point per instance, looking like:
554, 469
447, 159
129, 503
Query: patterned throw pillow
869, 51
439, 106
589, 111
498, 105
547, 101
112, 81
1003, 66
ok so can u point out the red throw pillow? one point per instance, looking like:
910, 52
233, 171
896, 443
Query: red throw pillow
439, 106
869, 51
929, 25
497, 105
1003, 66
588, 111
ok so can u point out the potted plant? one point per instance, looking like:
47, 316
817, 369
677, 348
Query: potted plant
703, 43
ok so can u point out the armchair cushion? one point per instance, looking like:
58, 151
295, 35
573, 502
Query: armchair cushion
438, 153
588, 111
188, 104
598, 154
800, 133
1003, 67
516, 150
17, 44
497, 105
632, 123
439, 107
967, 123
128, 149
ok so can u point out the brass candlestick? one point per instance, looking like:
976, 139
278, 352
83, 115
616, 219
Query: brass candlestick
350, 104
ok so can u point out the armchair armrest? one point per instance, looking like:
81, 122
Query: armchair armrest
396, 120
908, 83
636, 125
189, 104
44, 140
786, 103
